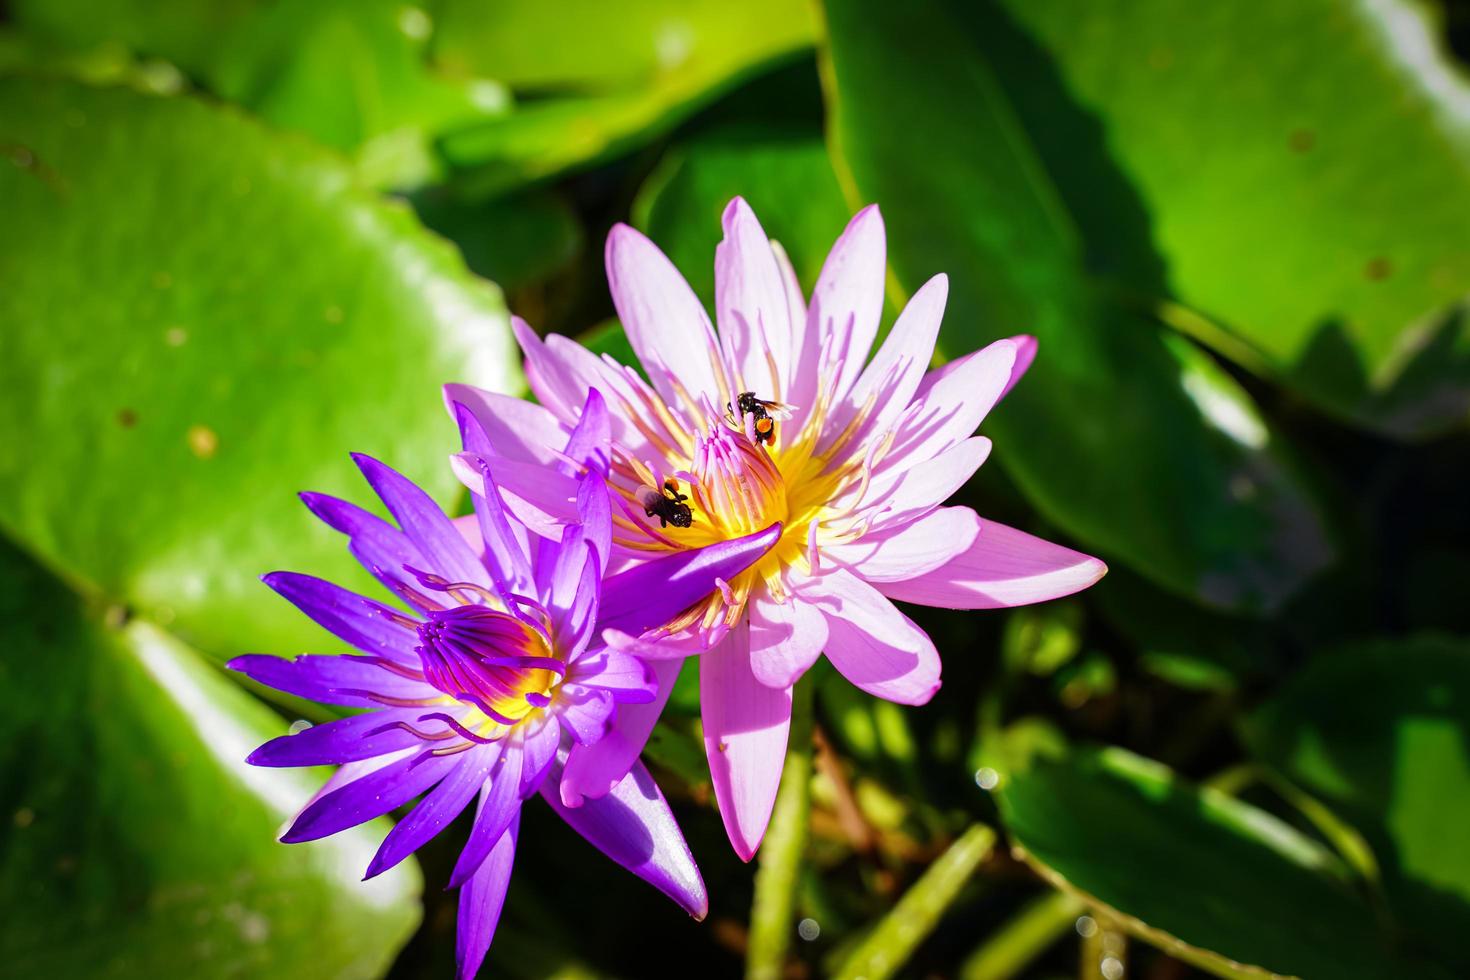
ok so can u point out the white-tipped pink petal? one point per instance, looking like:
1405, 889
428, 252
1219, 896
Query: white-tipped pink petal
847, 302
952, 401
872, 644
895, 372
745, 730
666, 324
1003, 567
898, 496
785, 639
911, 549
517, 428
751, 305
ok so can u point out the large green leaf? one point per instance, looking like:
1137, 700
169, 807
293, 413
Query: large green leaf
627, 73
136, 841
1208, 878
1296, 174
352, 73
1381, 730
1140, 446
201, 320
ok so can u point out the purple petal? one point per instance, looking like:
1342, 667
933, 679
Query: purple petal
648, 595
903, 495
872, 644
543, 499
629, 679
480, 902
332, 679
514, 427
379, 546
633, 825
1003, 567
503, 539
539, 746
443, 548
371, 796
593, 770
590, 442
370, 626
500, 801
745, 730
585, 712
436, 810
1025, 354
342, 740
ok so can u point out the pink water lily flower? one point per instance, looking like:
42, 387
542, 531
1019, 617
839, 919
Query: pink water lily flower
782, 417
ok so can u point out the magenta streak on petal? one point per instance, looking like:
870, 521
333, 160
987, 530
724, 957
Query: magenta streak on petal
499, 804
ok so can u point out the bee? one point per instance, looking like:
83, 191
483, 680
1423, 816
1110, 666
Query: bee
766, 414
668, 506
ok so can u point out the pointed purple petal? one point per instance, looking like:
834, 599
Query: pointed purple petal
425, 524
480, 902
585, 712
379, 546
648, 595
629, 679
371, 796
589, 444
500, 801
436, 810
593, 770
370, 626
514, 427
633, 825
331, 679
343, 740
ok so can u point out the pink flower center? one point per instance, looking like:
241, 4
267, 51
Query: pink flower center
492, 660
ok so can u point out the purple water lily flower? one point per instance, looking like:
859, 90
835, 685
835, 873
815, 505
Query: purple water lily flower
494, 679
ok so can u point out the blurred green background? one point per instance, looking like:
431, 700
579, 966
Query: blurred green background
240, 238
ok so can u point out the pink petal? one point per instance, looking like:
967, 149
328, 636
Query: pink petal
874, 645
751, 305
593, 770
785, 639
951, 402
1025, 354
669, 329
900, 496
806, 348
896, 370
847, 302
542, 498
1003, 567
517, 428
562, 371
910, 549
745, 729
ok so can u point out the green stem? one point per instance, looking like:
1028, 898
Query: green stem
900, 932
773, 913
1031, 932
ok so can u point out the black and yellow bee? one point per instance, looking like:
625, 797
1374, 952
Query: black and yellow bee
668, 506
766, 414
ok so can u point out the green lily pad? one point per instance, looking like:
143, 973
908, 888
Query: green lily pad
1135, 443
201, 319
1381, 731
135, 840
1293, 174
1210, 879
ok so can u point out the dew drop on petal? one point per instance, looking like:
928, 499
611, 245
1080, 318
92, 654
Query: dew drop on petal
298, 726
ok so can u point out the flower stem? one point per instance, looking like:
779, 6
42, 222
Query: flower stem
1030, 933
772, 914
900, 932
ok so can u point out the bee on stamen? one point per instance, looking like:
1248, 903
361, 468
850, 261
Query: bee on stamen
668, 506
766, 414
